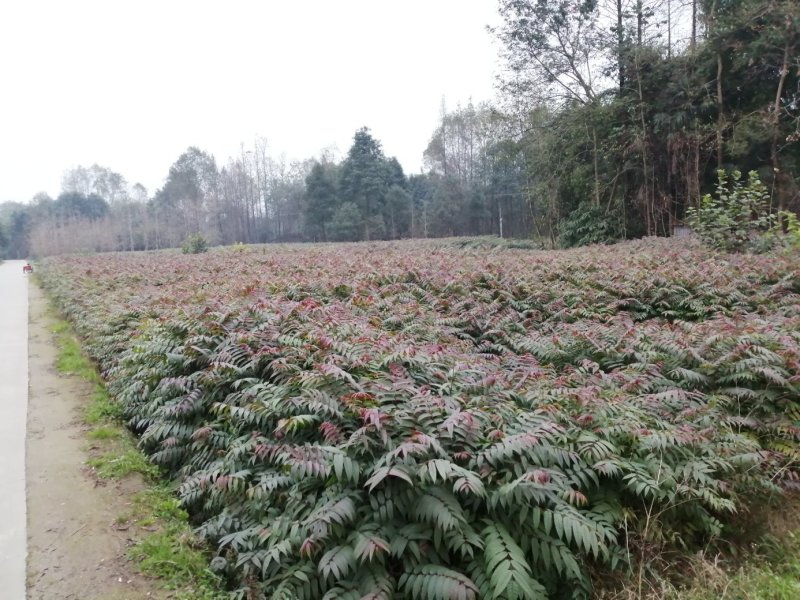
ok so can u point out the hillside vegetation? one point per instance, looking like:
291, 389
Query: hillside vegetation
436, 420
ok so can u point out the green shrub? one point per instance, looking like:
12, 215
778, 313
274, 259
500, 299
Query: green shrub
738, 217
335, 478
790, 222
784, 233
589, 224
346, 224
195, 244
489, 242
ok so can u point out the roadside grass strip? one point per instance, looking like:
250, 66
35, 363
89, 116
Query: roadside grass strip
166, 548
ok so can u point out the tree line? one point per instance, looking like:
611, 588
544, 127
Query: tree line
613, 117
626, 110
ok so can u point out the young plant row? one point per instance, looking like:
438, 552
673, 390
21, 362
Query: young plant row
406, 421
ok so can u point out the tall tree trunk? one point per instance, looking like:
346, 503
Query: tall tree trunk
596, 169
412, 228
130, 227
444, 136
646, 197
693, 170
669, 29
500, 217
720, 114
775, 122
620, 47
366, 220
158, 230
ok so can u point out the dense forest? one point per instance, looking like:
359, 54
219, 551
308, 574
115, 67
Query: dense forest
612, 118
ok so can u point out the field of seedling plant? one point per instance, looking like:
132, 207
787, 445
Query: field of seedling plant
443, 420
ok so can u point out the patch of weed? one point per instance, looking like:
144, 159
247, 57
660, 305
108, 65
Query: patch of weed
104, 432
766, 567
172, 553
772, 572
71, 360
101, 407
113, 465
161, 502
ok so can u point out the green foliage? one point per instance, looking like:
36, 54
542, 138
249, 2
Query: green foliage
736, 217
366, 177
589, 224
195, 244
439, 422
346, 225
321, 199
397, 212
74, 205
19, 229
785, 233
489, 242
642, 137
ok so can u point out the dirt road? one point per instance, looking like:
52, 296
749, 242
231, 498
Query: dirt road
13, 410
76, 546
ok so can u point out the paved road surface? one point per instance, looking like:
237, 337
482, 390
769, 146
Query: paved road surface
13, 412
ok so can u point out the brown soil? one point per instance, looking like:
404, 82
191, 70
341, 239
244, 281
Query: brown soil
74, 549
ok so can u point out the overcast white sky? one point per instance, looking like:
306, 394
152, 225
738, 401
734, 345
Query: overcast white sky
130, 85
